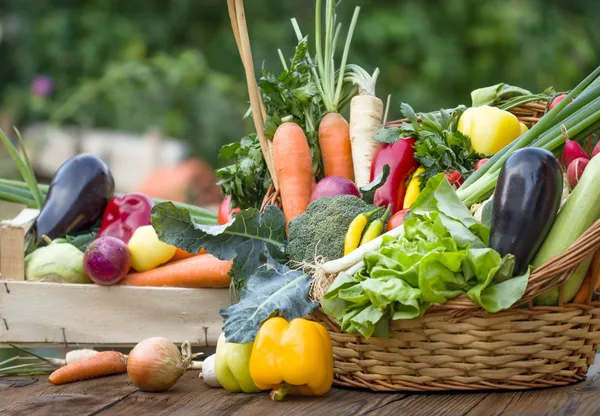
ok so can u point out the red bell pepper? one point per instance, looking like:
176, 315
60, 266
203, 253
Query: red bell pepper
400, 157
125, 214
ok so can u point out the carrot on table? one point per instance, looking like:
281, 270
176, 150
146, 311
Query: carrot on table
201, 271
101, 364
336, 149
293, 165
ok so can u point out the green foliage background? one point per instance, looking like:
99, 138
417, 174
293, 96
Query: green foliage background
133, 64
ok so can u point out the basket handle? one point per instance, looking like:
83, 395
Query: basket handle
240, 32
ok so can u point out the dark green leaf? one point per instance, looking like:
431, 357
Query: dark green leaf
247, 237
274, 290
368, 191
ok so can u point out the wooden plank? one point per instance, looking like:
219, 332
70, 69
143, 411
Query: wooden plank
577, 399
34, 396
12, 257
191, 396
37, 312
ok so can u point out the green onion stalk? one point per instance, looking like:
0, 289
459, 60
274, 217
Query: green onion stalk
579, 118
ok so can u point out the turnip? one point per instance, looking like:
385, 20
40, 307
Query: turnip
107, 260
334, 186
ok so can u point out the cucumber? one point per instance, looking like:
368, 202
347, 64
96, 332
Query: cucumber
579, 212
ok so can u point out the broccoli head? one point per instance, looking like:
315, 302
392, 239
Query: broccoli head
321, 230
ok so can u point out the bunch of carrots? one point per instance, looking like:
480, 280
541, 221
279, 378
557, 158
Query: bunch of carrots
347, 148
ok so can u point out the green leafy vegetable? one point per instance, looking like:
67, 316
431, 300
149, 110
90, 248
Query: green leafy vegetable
248, 237
274, 289
496, 93
247, 180
441, 254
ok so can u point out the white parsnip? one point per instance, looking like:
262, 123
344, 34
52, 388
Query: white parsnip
366, 113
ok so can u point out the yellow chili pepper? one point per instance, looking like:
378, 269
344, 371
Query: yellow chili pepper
294, 357
413, 189
376, 227
489, 128
355, 231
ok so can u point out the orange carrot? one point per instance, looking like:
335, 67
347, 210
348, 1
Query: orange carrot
101, 364
182, 254
203, 270
584, 290
336, 149
293, 166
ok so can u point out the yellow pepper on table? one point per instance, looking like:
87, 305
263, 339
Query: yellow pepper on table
489, 128
292, 357
413, 190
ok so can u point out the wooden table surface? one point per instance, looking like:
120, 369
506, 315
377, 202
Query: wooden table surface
115, 395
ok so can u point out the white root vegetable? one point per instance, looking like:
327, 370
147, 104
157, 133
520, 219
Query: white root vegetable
208, 372
77, 355
356, 256
366, 112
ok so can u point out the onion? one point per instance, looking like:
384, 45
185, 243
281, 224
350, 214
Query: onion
334, 186
208, 371
107, 260
156, 364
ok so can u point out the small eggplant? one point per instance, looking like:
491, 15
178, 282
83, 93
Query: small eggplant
77, 197
526, 202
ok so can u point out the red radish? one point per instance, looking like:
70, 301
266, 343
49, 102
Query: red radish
557, 100
225, 211
575, 170
596, 149
107, 260
480, 164
572, 151
334, 186
455, 178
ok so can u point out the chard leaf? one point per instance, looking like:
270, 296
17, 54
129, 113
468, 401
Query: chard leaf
368, 191
273, 290
249, 237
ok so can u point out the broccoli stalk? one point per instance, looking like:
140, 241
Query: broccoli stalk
321, 230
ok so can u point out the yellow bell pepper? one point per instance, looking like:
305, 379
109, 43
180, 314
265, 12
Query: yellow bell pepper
147, 251
524, 127
413, 190
489, 128
294, 357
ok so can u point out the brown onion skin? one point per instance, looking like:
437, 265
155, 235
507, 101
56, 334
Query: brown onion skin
144, 366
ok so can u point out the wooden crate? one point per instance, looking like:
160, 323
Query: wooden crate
80, 314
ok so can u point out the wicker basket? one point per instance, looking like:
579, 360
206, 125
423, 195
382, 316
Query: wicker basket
457, 345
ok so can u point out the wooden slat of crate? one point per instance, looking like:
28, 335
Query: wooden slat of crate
36, 312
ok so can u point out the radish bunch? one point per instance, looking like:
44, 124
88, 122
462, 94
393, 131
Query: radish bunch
576, 159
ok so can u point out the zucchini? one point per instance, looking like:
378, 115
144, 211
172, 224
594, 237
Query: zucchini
579, 212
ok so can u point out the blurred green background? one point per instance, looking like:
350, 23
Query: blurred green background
129, 65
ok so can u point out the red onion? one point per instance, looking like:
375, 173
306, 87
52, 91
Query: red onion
334, 186
107, 260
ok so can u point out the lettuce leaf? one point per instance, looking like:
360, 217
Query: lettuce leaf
441, 254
